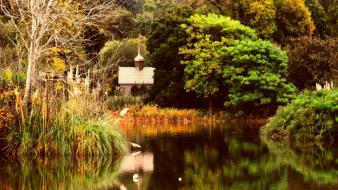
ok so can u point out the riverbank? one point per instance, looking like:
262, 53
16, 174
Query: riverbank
152, 114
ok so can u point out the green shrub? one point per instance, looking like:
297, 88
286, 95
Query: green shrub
311, 115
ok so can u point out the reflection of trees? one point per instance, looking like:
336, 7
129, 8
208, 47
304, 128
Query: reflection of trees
235, 158
314, 161
169, 152
61, 173
244, 164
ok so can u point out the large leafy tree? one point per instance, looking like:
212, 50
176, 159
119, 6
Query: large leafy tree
164, 41
256, 75
224, 58
204, 52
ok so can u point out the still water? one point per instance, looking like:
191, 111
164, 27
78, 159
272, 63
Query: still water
185, 157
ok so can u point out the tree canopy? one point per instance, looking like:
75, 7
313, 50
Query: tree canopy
225, 58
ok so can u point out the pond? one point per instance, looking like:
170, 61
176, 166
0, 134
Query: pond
185, 157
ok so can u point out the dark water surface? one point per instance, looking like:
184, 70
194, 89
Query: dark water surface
185, 157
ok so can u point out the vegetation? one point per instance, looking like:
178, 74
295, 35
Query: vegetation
224, 58
313, 60
116, 103
310, 116
260, 15
59, 93
165, 115
163, 44
301, 23
72, 128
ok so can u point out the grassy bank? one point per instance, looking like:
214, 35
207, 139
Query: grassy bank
142, 113
310, 116
152, 114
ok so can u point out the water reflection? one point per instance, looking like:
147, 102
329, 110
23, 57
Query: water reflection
185, 157
316, 162
59, 173
228, 158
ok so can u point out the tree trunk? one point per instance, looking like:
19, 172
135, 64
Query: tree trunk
29, 76
33, 51
30, 73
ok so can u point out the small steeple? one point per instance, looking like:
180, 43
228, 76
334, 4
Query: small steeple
139, 60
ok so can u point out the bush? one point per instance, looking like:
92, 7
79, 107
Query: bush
310, 116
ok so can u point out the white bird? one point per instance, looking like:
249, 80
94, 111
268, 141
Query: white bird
124, 112
134, 145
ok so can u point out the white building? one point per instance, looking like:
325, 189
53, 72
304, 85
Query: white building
138, 76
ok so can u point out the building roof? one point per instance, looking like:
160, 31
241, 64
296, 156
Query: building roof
131, 75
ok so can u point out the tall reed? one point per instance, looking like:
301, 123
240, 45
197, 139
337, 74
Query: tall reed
61, 123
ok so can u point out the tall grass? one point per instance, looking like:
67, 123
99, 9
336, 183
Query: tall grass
59, 124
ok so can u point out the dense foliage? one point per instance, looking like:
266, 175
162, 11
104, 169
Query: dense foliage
256, 76
257, 14
163, 46
313, 60
225, 58
319, 17
311, 115
293, 20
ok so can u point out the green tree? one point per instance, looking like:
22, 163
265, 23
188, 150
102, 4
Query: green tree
224, 57
256, 76
164, 41
313, 60
293, 20
204, 52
